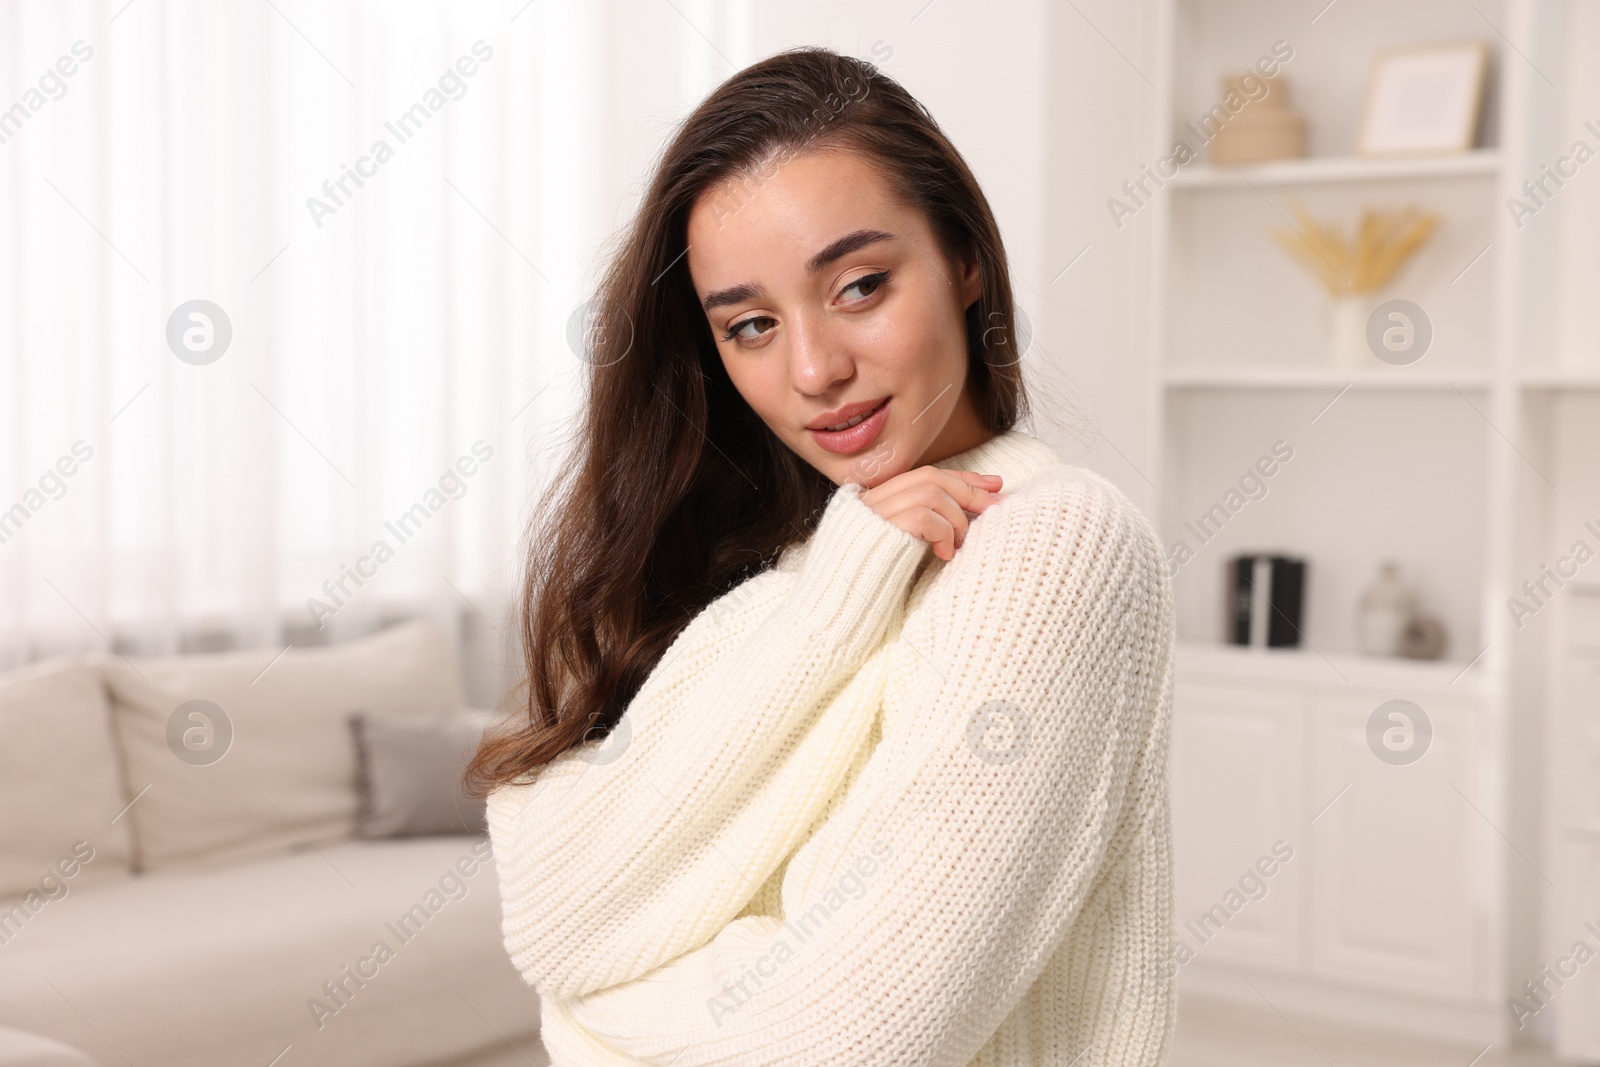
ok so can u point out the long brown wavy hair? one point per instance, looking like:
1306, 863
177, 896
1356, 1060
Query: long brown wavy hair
676, 490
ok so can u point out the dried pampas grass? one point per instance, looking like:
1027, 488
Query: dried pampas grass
1384, 241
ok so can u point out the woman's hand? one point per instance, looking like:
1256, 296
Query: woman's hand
932, 503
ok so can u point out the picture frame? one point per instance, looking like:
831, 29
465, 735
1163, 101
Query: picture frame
1424, 99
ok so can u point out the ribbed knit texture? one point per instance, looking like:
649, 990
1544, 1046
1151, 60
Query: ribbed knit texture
873, 809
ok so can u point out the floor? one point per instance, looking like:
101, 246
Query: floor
1212, 1034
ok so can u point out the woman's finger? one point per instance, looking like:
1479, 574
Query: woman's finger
974, 492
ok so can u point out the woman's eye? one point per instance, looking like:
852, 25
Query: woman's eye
755, 326
866, 285
737, 330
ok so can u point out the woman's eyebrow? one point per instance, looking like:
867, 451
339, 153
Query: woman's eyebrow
850, 242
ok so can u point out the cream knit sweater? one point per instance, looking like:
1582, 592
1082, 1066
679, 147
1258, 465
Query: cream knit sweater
873, 809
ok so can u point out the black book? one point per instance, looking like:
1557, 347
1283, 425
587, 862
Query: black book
1268, 600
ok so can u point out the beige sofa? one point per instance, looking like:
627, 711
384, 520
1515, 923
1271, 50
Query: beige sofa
180, 883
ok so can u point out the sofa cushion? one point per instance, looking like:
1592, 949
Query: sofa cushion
60, 785
409, 774
248, 753
228, 966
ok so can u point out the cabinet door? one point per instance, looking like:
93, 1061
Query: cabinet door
1576, 736
1574, 916
1573, 911
1237, 776
1399, 860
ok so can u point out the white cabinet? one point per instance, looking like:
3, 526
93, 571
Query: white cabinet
1576, 755
1387, 911
1419, 897
1574, 814
1392, 901
1573, 998
1238, 785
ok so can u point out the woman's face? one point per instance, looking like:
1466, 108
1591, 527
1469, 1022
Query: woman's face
830, 299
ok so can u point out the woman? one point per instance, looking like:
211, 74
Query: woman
890, 783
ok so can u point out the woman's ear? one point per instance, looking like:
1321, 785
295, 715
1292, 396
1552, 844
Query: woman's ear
971, 279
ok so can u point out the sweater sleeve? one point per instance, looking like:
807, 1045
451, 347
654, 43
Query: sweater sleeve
614, 862
1014, 808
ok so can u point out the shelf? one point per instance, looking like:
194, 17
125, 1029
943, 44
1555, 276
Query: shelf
1303, 665
1383, 378
1336, 170
1561, 379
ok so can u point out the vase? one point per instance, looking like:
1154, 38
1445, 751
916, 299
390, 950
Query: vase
1387, 608
1347, 332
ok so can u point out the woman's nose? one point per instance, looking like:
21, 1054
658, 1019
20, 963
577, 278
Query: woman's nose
816, 359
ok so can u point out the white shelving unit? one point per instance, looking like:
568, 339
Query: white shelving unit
1422, 895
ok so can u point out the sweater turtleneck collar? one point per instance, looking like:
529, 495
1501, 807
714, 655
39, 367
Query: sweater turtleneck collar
1014, 455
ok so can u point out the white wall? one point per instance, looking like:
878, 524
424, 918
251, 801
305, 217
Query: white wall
1100, 107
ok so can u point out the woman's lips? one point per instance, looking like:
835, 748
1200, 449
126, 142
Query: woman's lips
856, 437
